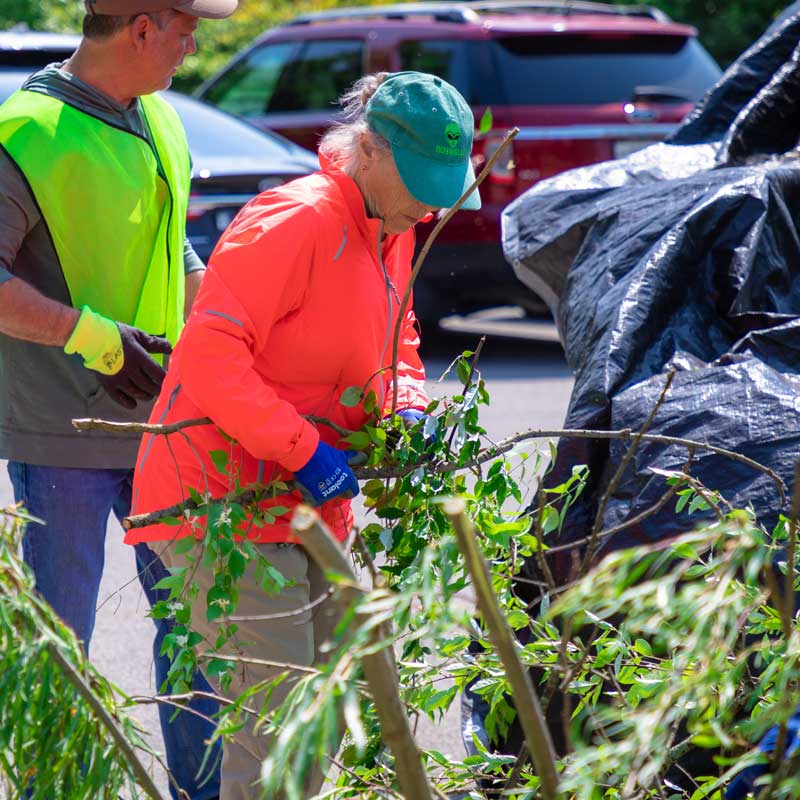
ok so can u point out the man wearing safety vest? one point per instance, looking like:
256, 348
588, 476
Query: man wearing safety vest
95, 277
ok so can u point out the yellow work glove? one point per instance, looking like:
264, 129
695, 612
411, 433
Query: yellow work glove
98, 340
120, 355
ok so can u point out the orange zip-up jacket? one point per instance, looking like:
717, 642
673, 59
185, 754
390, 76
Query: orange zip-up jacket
299, 303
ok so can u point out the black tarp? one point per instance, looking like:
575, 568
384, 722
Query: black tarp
685, 255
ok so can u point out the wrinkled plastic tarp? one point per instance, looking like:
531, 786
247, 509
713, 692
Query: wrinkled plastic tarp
685, 255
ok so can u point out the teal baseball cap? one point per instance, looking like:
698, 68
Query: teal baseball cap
429, 127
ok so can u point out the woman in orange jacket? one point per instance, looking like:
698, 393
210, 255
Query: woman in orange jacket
299, 302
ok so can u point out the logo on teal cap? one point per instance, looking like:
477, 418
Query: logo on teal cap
452, 135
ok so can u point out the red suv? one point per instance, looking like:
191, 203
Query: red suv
583, 81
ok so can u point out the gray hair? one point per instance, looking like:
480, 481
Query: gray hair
340, 142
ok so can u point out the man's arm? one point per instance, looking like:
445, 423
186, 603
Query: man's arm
192, 286
27, 314
194, 269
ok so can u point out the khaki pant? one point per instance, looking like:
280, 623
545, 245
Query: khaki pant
294, 639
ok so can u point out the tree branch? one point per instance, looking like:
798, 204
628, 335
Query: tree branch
529, 711
365, 473
618, 475
379, 667
120, 740
136, 428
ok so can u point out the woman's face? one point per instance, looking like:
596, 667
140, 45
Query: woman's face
385, 195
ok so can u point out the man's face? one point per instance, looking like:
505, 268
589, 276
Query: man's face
166, 45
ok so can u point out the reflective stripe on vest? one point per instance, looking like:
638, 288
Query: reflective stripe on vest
117, 225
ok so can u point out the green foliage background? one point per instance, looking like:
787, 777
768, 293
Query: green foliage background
726, 26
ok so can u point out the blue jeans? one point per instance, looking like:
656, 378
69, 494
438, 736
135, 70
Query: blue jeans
67, 556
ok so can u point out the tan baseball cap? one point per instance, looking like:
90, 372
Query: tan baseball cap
208, 9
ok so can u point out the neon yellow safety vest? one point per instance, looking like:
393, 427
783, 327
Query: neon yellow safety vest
117, 223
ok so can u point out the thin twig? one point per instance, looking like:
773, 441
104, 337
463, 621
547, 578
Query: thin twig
378, 580
295, 612
543, 565
178, 510
401, 313
791, 550
109, 426
475, 357
575, 433
376, 787
591, 550
633, 521
516, 773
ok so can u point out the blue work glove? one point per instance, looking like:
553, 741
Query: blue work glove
744, 782
410, 417
326, 475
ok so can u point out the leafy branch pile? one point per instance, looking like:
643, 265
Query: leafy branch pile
656, 668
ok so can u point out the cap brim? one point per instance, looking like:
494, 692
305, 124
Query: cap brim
434, 183
208, 9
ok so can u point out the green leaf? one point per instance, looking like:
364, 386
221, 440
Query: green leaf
173, 582
237, 564
351, 396
373, 489
485, 125
462, 370
359, 440
518, 619
185, 545
218, 666
390, 512
220, 459
370, 402
643, 647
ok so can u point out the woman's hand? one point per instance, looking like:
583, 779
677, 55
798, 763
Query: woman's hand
326, 475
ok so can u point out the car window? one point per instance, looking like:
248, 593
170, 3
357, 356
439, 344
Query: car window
447, 59
212, 134
32, 58
579, 69
315, 78
247, 87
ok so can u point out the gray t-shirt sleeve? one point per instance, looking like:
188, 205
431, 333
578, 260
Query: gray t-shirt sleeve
191, 261
19, 214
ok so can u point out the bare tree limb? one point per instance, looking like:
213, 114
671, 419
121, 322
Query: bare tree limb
574, 433
135, 428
